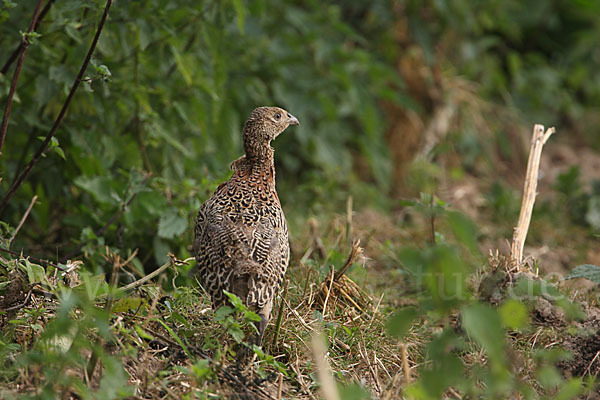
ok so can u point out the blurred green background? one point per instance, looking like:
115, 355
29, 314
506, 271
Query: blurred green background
374, 84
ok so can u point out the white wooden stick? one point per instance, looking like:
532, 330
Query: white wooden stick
539, 138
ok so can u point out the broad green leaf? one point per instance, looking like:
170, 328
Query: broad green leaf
412, 259
60, 152
223, 312
235, 300
354, 391
464, 229
161, 250
514, 314
126, 304
101, 187
236, 333
171, 224
549, 377
484, 325
35, 273
572, 389
400, 323
252, 316
587, 271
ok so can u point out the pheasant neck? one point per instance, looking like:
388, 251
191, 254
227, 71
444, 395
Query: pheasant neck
258, 162
262, 154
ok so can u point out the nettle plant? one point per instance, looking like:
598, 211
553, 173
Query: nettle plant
469, 351
239, 322
60, 343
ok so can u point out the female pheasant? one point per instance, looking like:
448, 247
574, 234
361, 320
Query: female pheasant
241, 238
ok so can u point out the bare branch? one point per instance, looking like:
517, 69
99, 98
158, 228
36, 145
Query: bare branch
15, 79
154, 273
43, 147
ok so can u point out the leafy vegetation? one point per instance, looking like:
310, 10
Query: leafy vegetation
424, 313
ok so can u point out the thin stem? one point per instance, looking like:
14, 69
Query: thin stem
432, 220
280, 314
37, 260
17, 50
22, 220
15, 79
42, 149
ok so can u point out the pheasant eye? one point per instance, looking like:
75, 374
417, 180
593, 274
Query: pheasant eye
278, 116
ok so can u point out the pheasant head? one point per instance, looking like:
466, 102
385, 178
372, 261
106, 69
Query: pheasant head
264, 125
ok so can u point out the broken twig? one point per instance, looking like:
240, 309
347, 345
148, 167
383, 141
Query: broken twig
539, 138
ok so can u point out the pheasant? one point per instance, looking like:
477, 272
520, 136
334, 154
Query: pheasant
241, 238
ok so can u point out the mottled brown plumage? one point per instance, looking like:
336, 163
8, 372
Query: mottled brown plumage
241, 238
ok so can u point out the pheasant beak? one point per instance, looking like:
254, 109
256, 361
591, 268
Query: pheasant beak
292, 120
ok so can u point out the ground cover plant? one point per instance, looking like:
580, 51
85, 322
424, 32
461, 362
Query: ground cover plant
401, 186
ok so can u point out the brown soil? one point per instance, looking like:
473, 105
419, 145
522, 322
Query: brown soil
584, 347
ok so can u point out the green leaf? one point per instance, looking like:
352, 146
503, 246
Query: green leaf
60, 74
252, 316
400, 323
103, 70
514, 314
354, 391
411, 259
236, 333
235, 301
202, 369
161, 249
171, 224
259, 351
572, 389
240, 13
181, 65
177, 339
549, 377
484, 325
143, 334
93, 285
35, 273
126, 304
464, 229
99, 186
223, 312
60, 152
587, 271
45, 90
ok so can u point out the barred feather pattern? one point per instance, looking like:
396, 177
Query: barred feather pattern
241, 237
